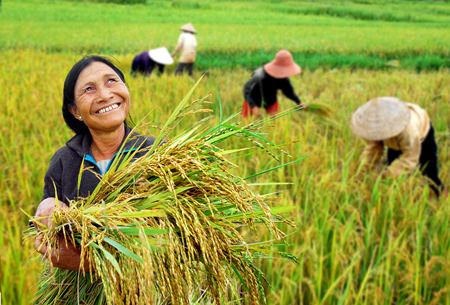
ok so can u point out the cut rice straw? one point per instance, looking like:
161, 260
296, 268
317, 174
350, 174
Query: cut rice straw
319, 108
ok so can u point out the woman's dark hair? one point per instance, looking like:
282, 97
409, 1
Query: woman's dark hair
69, 90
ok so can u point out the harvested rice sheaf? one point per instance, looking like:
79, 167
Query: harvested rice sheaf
166, 227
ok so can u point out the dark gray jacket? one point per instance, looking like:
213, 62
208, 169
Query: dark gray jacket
61, 179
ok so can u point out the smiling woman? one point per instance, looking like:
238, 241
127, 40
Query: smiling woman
95, 106
101, 102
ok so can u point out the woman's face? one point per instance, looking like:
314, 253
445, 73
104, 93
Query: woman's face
102, 99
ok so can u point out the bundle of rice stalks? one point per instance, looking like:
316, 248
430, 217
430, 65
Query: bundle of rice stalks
164, 225
319, 108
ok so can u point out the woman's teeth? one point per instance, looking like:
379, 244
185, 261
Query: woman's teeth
107, 109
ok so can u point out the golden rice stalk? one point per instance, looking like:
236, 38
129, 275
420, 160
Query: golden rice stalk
164, 225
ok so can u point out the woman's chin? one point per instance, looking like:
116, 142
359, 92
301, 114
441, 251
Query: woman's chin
111, 125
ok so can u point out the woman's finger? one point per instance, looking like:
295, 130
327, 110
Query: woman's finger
39, 245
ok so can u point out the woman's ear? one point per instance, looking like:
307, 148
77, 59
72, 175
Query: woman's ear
74, 111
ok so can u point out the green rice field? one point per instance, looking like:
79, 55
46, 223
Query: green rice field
358, 238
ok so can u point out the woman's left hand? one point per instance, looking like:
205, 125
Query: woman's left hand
65, 255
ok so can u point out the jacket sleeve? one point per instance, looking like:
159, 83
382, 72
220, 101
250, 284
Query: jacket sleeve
288, 91
249, 92
410, 147
372, 154
52, 179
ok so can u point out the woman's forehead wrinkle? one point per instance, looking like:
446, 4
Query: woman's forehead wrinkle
93, 73
95, 70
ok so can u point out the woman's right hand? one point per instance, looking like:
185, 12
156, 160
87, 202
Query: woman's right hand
256, 112
65, 255
302, 106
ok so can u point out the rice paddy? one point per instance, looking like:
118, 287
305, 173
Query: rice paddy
359, 239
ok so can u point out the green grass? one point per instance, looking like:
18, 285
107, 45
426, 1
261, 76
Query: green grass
331, 32
312, 61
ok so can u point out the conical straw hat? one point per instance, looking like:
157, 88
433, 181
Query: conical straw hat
161, 56
282, 66
380, 118
188, 27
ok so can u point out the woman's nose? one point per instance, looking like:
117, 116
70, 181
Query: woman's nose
104, 93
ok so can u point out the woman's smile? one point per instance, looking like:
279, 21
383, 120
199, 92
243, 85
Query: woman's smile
108, 108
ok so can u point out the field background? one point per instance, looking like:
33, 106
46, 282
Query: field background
359, 239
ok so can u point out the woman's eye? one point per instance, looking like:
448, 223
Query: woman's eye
88, 89
112, 80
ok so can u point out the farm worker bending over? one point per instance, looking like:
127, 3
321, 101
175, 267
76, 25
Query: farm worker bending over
95, 106
146, 61
405, 129
186, 46
261, 89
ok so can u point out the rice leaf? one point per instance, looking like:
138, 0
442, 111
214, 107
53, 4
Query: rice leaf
125, 251
110, 258
273, 168
143, 213
134, 231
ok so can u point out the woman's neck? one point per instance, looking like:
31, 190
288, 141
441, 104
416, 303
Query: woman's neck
106, 144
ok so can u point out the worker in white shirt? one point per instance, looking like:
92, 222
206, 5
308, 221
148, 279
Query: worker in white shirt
405, 129
186, 46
